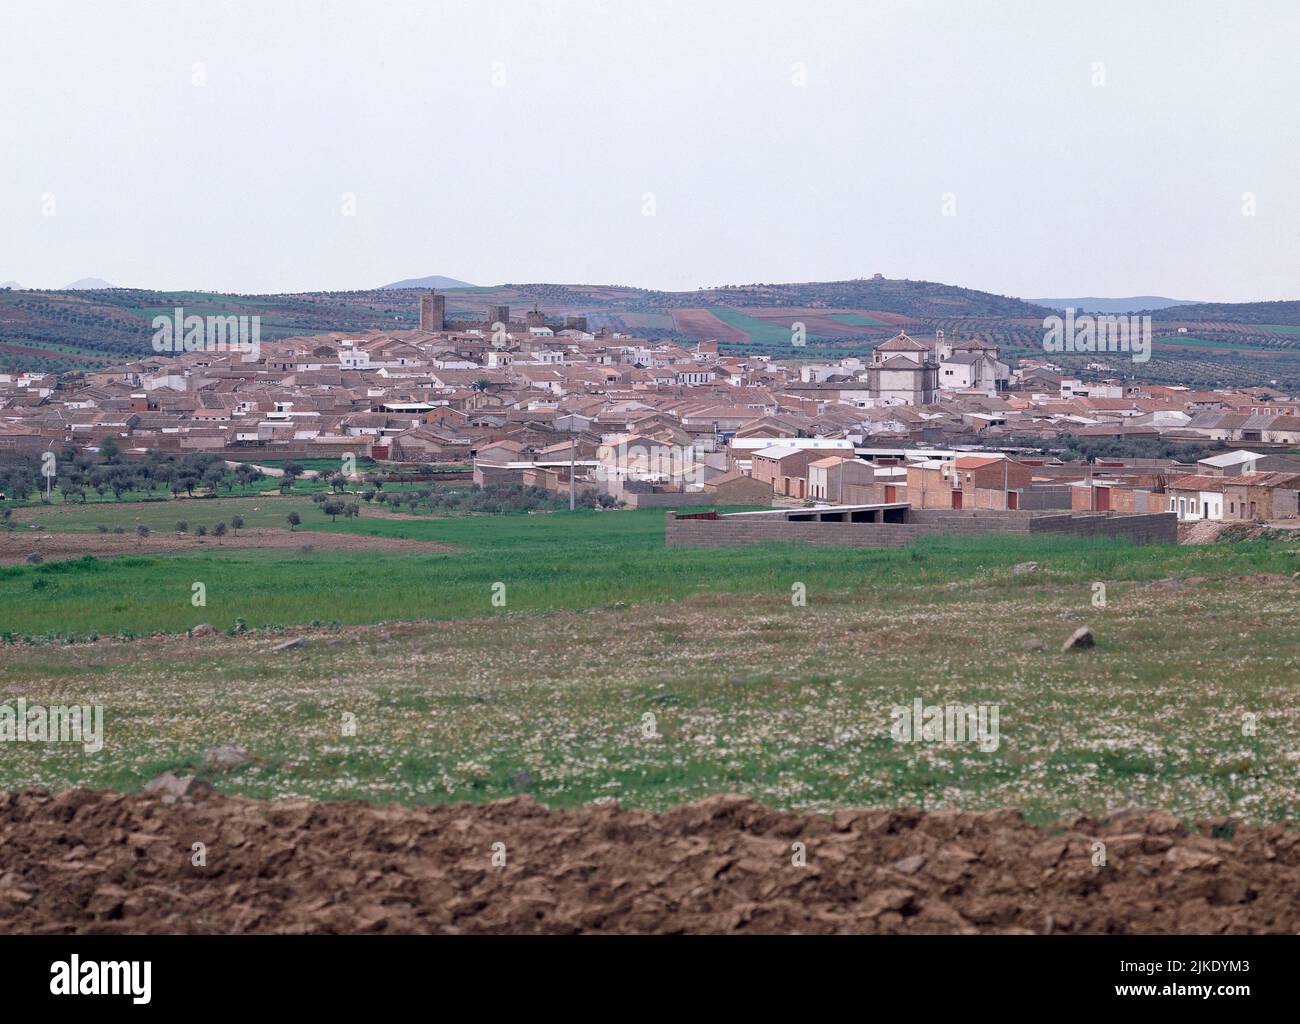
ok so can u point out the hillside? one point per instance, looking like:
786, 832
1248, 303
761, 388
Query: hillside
1279, 312
68, 330
433, 281
1131, 304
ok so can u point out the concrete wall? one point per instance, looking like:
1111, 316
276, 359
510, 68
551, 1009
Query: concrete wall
1152, 528
676, 499
1156, 528
1039, 497
735, 533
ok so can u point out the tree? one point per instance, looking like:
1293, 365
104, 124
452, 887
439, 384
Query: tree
294, 519
142, 532
219, 531
200, 530
246, 474
237, 523
292, 470
332, 509
120, 482
181, 526
213, 477
108, 448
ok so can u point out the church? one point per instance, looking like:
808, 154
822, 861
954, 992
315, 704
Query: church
905, 371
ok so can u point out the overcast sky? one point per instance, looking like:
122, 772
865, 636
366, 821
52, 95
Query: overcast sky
1028, 148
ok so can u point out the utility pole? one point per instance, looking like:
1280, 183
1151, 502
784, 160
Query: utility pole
573, 486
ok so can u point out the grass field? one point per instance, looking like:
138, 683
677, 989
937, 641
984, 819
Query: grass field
617, 668
161, 516
744, 691
547, 562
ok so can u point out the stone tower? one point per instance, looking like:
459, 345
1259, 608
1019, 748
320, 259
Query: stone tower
433, 311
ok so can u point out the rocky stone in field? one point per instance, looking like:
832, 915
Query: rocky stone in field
170, 787
1034, 644
1024, 567
288, 645
224, 758
202, 629
1080, 639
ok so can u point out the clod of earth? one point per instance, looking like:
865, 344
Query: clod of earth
1080, 639
97, 861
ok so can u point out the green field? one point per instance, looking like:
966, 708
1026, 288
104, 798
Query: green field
857, 320
760, 331
603, 627
548, 562
161, 516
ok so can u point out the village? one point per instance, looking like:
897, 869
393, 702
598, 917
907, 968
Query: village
929, 423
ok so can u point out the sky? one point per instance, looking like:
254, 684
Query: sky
1141, 147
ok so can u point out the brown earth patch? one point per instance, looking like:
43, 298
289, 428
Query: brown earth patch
700, 323
14, 550
96, 861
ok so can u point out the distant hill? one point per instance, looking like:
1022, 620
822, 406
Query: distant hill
85, 327
87, 284
1133, 304
433, 281
1282, 312
10, 284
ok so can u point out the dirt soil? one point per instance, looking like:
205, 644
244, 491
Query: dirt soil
1208, 531
15, 549
96, 861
